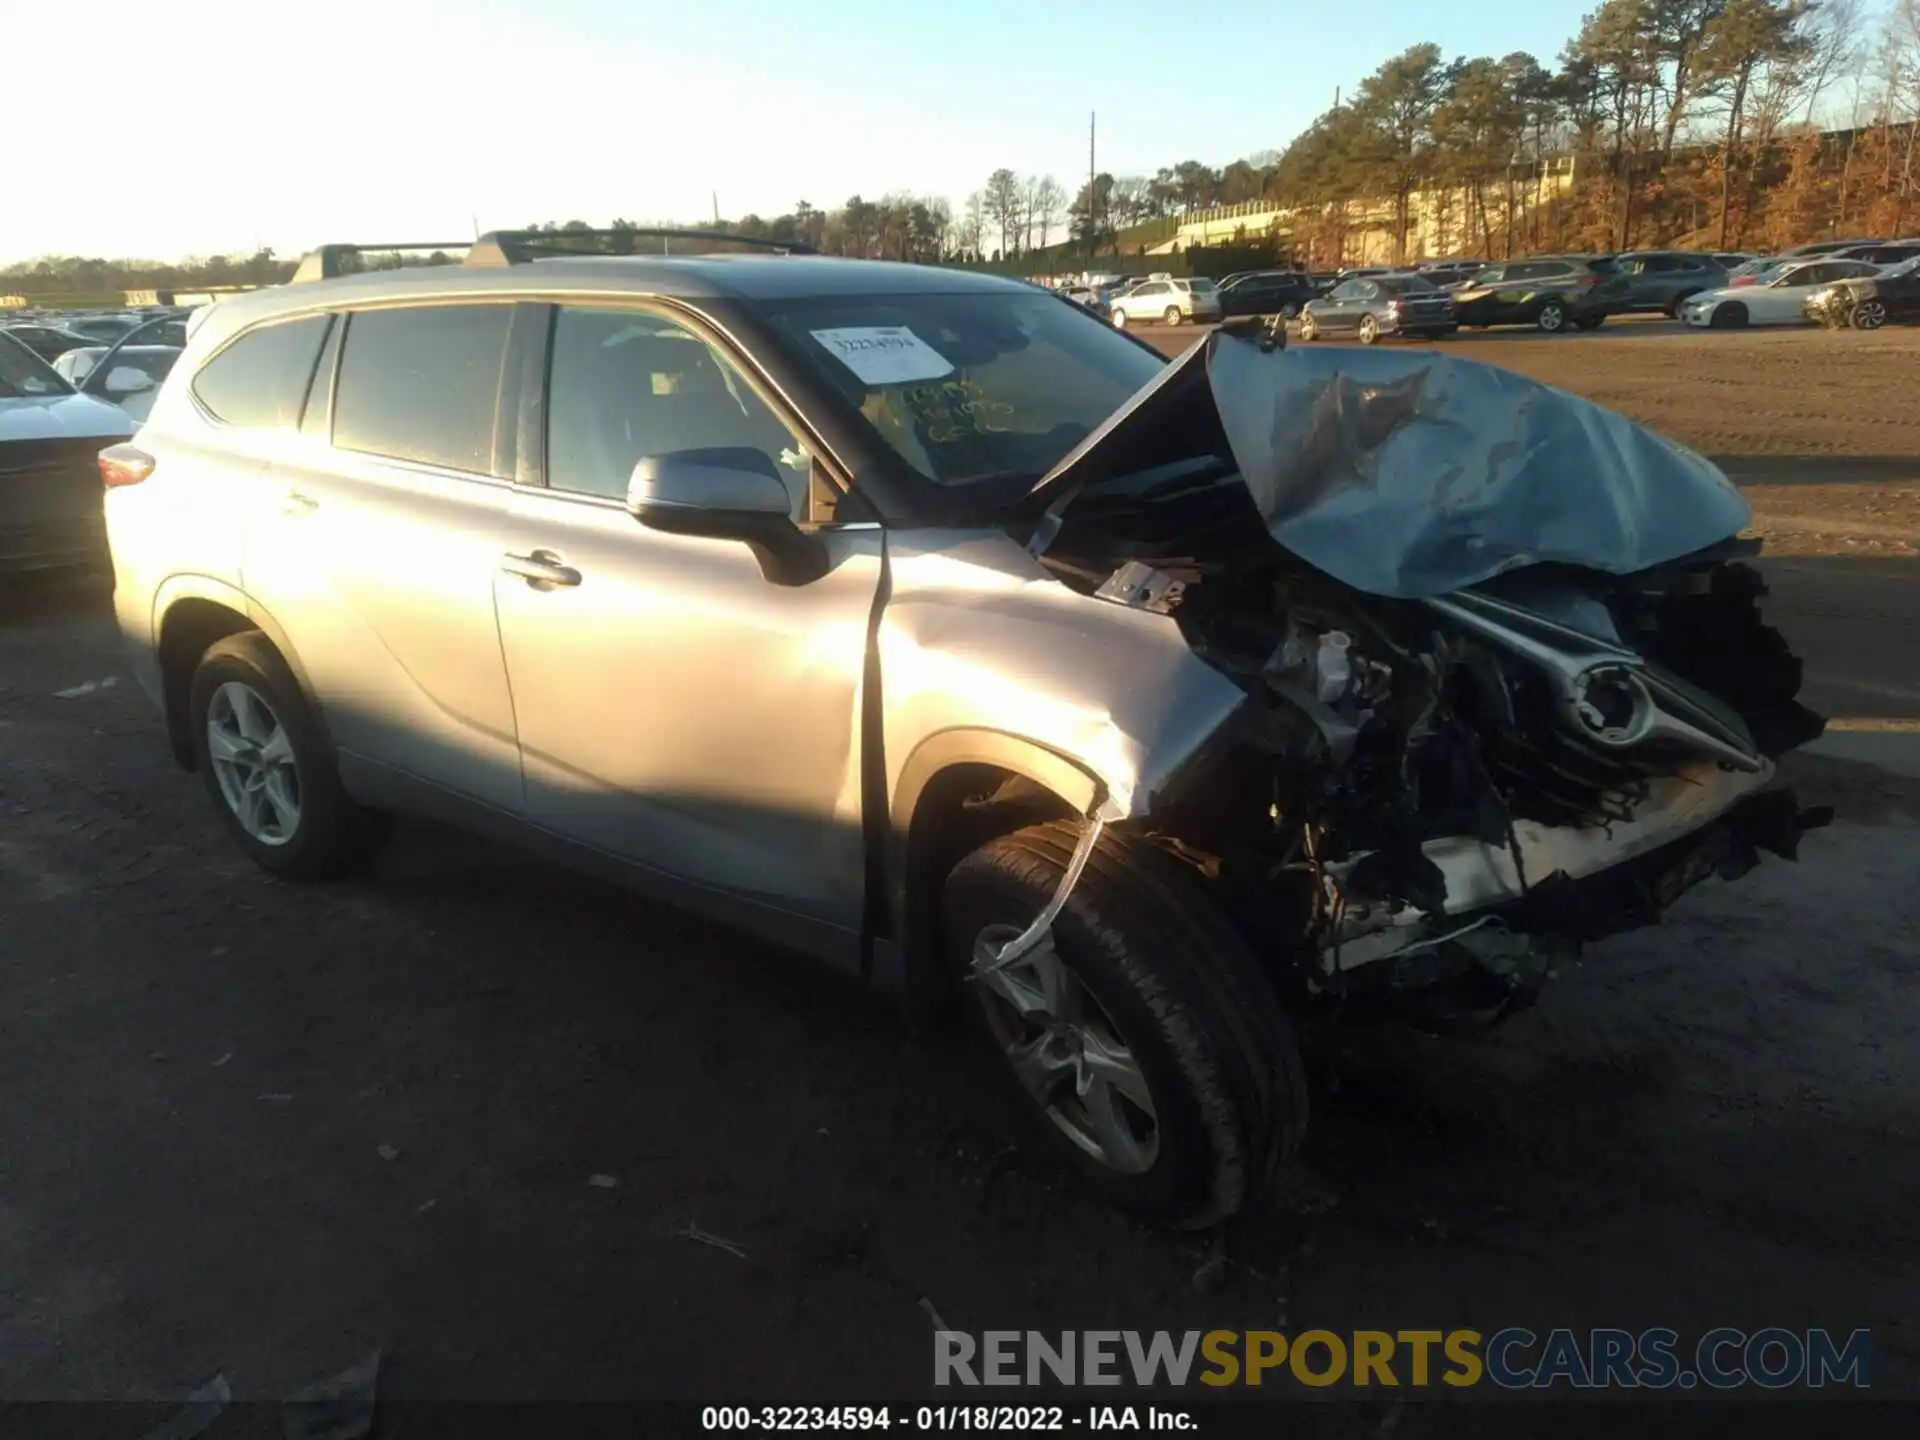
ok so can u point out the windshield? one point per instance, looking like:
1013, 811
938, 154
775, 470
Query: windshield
968, 388
24, 374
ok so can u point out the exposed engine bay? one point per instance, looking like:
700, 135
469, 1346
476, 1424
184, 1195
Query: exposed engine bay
1433, 798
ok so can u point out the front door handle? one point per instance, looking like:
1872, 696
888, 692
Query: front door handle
541, 569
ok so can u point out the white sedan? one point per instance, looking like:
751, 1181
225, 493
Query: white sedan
1773, 298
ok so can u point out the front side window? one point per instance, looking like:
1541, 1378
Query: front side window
967, 388
421, 383
1150, 289
260, 380
626, 385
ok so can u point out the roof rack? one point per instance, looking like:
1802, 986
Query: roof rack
518, 247
330, 261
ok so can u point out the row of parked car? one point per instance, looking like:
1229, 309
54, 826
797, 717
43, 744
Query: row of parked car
1863, 283
143, 345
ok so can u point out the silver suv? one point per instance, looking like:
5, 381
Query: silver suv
1168, 301
919, 622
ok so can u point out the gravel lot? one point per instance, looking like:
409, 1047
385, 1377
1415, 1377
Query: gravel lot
259, 1129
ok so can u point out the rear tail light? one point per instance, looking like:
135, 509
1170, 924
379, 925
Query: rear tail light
1742, 280
1586, 279
124, 465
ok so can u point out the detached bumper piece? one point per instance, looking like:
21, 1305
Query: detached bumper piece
1641, 891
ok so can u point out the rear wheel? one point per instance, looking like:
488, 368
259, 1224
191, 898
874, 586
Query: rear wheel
1869, 314
1143, 1044
1289, 310
1172, 317
1590, 322
270, 772
1369, 330
1672, 310
1552, 317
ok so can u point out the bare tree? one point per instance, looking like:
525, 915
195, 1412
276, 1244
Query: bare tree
1045, 198
1006, 207
1832, 30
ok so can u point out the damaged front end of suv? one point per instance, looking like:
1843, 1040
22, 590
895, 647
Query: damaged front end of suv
1507, 684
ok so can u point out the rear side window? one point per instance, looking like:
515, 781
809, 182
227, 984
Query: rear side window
260, 380
421, 384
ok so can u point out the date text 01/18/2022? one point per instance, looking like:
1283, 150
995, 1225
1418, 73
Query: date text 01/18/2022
942, 1419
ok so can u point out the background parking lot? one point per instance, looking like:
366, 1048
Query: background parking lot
536, 1139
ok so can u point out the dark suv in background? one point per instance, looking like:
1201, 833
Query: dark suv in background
1550, 291
1266, 292
1657, 281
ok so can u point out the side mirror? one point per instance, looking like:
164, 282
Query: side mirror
728, 493
127, 380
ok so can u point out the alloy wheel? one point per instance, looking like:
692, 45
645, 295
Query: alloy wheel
253, 763
1067, 1053
1552, 318
1869, 315
1369, 329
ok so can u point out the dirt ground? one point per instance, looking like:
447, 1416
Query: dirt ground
493, 1119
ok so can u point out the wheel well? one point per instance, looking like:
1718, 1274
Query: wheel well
961, 809
187, 630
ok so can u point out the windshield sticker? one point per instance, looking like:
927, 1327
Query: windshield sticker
884, 354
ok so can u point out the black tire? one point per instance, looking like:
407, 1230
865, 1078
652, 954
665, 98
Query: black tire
332, 834
1868, 315
1730, 316
1173, 315
1180, 990
1309, 332
1289, 310
1589, 322
1672, 308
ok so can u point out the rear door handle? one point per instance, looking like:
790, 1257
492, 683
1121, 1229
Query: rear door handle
541, 569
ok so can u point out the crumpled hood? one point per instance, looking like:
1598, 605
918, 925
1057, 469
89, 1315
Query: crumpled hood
62, 417
1410, 474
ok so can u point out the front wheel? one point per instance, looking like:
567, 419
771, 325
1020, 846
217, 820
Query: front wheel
1308, 331
270, 772
1119, 319
1140, 1040
1369, 331
1731, 316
